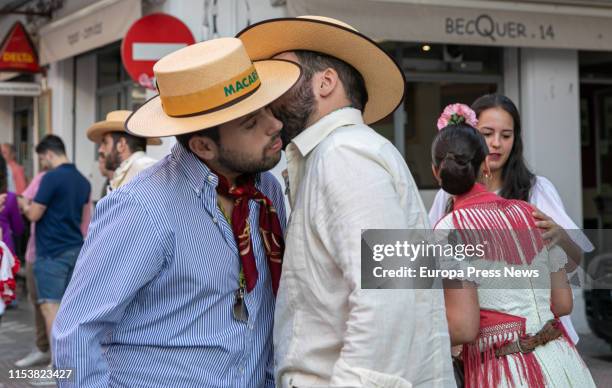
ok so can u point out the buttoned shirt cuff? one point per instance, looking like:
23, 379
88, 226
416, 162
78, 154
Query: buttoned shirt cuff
345, 375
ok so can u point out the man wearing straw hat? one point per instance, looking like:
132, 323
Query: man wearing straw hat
176, 282
343, 177
123, 153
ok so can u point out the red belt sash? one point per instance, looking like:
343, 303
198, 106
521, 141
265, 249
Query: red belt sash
483, 369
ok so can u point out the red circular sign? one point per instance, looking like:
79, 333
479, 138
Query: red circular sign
149, 39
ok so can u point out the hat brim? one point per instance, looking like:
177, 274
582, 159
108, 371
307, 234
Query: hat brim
384, 80
96, 132
150, 120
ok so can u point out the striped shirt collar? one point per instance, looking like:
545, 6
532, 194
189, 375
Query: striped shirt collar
197, 172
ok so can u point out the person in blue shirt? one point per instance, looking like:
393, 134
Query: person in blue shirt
175, 285
57, 209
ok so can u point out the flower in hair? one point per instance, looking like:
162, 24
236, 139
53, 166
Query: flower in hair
456, 114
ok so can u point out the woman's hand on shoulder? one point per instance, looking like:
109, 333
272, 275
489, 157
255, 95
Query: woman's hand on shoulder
552, 233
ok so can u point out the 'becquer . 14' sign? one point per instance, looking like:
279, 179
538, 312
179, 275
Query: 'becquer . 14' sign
485, 26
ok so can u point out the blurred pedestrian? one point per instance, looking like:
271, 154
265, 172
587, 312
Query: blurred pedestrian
58, 209
123, 153
40, 354
9, 265
17, 172
11, 222
175, 284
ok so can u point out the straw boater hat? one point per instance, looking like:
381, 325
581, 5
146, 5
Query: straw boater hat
208, 84
115, 122
384, 80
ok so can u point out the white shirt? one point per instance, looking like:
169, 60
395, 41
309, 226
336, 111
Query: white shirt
343, 178
129, 168
545, 197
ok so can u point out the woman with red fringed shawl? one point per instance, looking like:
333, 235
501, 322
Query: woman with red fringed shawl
507, 325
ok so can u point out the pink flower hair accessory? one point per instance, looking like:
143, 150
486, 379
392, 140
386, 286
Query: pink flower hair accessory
455, 114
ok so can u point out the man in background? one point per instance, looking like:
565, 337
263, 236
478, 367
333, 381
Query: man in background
123, 153
18, 176
60, 204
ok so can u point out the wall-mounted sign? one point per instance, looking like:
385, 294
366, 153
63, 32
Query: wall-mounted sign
28, 89
148, 40
495, 23
17, 53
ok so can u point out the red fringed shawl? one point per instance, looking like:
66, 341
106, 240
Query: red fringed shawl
512, 236
506, 225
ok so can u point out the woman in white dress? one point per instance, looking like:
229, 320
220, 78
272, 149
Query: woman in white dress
499, 122
508, 326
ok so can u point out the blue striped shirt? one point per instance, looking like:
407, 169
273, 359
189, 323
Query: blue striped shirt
150, 301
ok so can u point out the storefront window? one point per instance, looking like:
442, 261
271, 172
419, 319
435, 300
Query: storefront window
437, 75
23, 117
116, 90
109, 67
23, 127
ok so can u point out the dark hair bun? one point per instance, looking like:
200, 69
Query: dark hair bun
457, 176
458, 152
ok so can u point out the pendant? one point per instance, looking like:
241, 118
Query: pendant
240, 310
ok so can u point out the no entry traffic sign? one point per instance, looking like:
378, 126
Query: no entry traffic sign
149, 39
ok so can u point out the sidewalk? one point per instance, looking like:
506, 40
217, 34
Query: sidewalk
16, 340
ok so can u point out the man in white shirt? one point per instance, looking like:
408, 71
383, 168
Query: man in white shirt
123, 153
343, 178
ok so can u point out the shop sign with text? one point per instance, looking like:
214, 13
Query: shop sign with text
17, 53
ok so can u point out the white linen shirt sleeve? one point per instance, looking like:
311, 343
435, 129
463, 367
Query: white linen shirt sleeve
357, 192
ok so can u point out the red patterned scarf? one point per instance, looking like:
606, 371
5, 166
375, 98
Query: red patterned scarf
269, 227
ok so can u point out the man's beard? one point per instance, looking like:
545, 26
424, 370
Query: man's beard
294, 109
112, 161
241, 164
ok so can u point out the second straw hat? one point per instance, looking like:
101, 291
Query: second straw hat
115, 122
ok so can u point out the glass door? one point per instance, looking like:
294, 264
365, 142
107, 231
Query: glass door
23, 129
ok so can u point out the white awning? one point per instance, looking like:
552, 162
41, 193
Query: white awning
499, 23
94, 26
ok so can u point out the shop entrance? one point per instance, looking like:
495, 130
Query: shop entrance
436, 75
23, 124
596, 138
